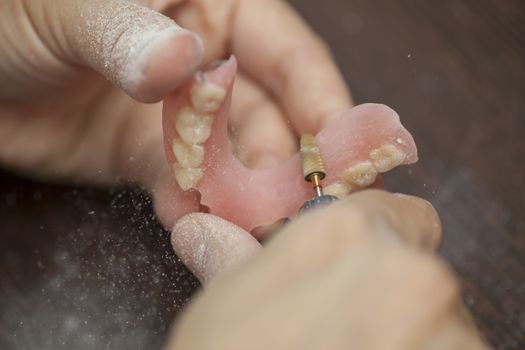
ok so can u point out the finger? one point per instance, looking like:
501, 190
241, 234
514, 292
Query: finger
345, 229
261, 134
456, 331
368, 215
138, 49
422, 231
279, 50
455, 335
209, 245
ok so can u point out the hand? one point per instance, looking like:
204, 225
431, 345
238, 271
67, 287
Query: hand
63, 118
358, 274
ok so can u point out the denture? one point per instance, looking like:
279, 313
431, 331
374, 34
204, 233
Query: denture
356, 145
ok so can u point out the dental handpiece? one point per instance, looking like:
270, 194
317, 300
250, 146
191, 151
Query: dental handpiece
313, 171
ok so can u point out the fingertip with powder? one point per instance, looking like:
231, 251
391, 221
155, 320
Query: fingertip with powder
140, 50
209, 245
162, 65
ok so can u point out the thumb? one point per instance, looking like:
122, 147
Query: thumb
142, 51
209, 245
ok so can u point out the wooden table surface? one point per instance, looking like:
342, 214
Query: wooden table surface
86, 268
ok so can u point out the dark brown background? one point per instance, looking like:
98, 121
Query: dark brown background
85, 268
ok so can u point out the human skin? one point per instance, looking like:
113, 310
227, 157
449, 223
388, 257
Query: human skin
358, 274
56, 58
356, 145
75, 75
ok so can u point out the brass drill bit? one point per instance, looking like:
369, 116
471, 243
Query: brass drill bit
313, 166
313, 171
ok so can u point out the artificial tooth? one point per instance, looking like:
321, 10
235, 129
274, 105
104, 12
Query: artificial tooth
188, 156
337, 189
187, 177
387, 157
207, 97
360, 175
193, 127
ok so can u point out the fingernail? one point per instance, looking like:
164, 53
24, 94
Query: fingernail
430, 213
212, 65
199, 44
144, 47
209, 245
421, 203
262, 233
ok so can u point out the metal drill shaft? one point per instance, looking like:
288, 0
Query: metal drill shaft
315, 179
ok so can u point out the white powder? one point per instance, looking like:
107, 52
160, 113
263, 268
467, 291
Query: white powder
119, 40
209, 245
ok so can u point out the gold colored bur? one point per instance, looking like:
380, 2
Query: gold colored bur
313, 166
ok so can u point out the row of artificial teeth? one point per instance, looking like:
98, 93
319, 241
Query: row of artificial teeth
364, 173
194, 124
